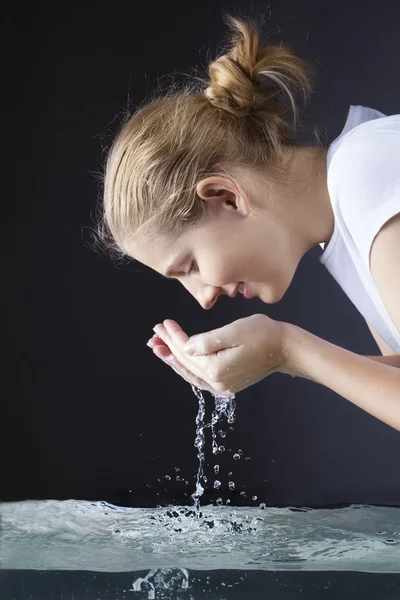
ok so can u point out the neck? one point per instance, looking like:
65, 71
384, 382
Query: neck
310, 213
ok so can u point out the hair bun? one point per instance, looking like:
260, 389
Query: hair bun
248, 73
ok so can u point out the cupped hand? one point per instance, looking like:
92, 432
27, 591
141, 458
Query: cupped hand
228, 359
167, 344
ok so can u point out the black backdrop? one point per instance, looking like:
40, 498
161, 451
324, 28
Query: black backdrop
89, 412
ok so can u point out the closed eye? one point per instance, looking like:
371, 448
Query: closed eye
193, 268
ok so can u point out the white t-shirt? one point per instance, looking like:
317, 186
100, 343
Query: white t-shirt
363, 178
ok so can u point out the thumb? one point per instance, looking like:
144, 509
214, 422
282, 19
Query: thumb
204, 343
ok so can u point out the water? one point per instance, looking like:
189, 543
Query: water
98, 536
172, 553
224, 407
215, 552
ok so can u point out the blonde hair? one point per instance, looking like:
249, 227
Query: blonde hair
234, 119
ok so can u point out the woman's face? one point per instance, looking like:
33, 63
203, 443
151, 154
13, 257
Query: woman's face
261, 246
232, 245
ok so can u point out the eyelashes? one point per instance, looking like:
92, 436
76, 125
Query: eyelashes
193, 268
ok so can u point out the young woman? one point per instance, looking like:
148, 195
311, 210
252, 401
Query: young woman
208, 185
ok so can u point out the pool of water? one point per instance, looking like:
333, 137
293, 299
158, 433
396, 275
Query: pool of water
94, 550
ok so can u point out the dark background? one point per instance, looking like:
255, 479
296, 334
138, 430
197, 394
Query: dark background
88, 411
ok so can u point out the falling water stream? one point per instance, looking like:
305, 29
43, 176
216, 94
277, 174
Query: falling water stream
224, 406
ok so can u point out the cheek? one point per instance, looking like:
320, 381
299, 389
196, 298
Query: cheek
222, 271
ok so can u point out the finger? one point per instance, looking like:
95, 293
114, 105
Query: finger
177, 352
155, 340
175, 365
207, 343
163, 334
173, 344
176, 332
162, 352
188, 375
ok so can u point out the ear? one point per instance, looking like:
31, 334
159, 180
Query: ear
221, 190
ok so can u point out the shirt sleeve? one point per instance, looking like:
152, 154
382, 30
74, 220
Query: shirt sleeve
368, 180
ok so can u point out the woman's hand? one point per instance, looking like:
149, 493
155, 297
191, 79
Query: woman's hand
225, 360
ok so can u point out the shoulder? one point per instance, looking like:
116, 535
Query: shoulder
365, 176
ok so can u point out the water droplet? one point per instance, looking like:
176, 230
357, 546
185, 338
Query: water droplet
230, 473
216, 469
221, 448
243, 494
262, 505
204, 479
167, 477
217, 484
231, 485
177, 470
219, 501
254, 498
222, 433
236, 457
247, 458
240, 452
178, 478
228, 501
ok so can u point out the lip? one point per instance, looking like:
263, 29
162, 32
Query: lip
246, 292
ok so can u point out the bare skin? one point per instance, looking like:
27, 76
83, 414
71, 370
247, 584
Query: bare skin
256, 234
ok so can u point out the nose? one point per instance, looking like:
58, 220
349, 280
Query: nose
208, 302
206, 295
209, 295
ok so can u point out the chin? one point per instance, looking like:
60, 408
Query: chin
271, 297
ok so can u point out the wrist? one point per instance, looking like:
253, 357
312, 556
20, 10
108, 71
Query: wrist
293, 345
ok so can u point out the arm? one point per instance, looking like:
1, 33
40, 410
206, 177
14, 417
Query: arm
368, 383
393, 360
389, 355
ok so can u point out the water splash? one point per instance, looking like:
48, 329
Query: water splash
165, 582
97, 536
